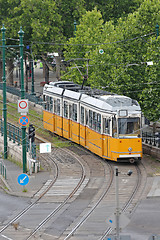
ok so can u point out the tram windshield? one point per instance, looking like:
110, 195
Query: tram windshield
129, 126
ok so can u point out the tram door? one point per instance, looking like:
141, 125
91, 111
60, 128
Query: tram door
106, 138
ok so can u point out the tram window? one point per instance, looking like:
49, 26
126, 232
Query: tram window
129, 126
74, 112
86, 117
90, 118
70, 111
99, 122
94, 120
47, 105
106, 126
58, 107
114, 131
44, 100
55, 106
66, 109
82, 115
51, 105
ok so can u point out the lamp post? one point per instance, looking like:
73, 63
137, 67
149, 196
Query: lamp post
3, 29
117, 214
32, 69
21, 33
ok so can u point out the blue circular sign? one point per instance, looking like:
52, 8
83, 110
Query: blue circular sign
23, 179
24, 120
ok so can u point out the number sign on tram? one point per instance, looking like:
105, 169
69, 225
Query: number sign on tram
23, 106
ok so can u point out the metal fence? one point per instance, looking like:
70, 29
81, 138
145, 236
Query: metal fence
14, 133
17, 92
151, 139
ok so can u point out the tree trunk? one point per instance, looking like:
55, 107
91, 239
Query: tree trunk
46, 72
58, 63
10, 69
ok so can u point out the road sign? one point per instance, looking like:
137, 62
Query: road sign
23, 106
23, 179
45, 147
101, 51
23, 120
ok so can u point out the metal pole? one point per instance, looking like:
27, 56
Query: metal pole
4, 92
32, 90
24, 155
117, 205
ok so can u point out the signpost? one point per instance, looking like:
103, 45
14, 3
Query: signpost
23, 179
23, 120
45, 147
23, 106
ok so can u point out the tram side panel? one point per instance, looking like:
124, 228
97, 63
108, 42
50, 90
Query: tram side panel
66, 128
48, 120
82, 135
106, 152
94, 141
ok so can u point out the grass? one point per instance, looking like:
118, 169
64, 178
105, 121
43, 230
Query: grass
25, 190
11, 159
37, 120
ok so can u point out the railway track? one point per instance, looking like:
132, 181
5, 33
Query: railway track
99, 214
27, 228
79, 199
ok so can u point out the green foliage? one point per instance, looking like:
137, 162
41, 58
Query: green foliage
127, 46
124, 29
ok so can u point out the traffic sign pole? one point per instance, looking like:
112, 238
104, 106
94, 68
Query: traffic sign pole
4, 93
24, 155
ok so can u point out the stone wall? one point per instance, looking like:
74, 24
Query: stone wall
151, 150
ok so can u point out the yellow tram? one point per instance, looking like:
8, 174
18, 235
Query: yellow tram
106, 124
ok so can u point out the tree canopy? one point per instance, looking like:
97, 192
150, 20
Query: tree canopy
111, 43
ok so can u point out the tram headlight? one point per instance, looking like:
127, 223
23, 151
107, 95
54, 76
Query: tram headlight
129, 149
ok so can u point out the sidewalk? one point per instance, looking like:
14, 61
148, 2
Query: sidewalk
11, 185
38, 78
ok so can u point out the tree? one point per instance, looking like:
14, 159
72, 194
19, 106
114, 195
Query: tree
78, 48
70, 11
114, 9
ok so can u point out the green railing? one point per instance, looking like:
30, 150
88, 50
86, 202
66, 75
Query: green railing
17, 92
14, 133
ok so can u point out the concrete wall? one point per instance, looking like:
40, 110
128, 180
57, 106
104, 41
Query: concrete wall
14, 150
151, 150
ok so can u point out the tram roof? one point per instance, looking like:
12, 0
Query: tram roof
96, 98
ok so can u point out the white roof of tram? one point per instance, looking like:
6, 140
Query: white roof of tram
95, 103
52, 89
71, 94
111, 103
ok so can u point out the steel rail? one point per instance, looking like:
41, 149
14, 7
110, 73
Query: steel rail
84, 218
32, 204
129, 201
